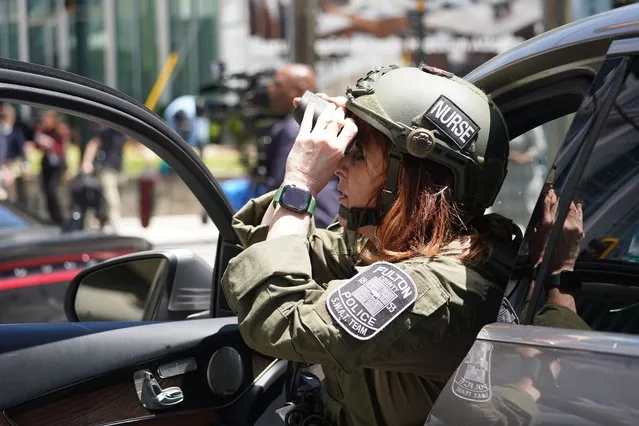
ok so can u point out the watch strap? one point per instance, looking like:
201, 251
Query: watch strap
277, 197
566, 280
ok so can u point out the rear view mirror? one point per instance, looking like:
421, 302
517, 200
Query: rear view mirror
151, 285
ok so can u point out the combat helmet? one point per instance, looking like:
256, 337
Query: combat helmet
432, 114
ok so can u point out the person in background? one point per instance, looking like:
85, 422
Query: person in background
181, 116
14, 154
5, 174
52, 137
289, 82
103, 156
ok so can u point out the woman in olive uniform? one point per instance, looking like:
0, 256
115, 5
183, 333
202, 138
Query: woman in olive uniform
390, 299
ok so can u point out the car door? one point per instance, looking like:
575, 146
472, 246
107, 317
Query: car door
556, 374
184, 372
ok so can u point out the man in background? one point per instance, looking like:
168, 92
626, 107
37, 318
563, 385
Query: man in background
103, 155
289, 82
12, 155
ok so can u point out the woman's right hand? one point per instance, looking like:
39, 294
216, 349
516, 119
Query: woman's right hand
318, 150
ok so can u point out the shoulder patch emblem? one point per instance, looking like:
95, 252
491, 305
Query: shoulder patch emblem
372, 299
472, 378
452, 121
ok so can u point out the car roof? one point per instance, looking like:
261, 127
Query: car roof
581, 40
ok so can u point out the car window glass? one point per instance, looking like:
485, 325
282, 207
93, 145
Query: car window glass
609, 190
531, 155
531, 254
604, 295
58, 215
531, 384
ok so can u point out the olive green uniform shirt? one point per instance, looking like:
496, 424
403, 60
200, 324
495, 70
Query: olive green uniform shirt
278, 289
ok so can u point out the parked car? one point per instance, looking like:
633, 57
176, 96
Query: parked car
192, 367
39, 260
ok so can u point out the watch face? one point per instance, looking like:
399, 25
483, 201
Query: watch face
295, 198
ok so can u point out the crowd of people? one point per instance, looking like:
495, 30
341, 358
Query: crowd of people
49, 137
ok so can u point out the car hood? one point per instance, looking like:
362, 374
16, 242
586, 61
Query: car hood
48, 240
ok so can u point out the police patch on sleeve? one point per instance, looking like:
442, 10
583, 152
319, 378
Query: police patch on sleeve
472, 378
452, 121
372, 299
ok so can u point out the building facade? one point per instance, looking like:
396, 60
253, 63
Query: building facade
127, 41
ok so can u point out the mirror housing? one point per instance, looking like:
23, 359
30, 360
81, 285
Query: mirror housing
154, 285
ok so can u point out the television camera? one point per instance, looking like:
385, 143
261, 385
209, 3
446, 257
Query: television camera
239, 97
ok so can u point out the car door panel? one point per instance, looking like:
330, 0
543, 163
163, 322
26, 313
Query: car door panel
22, 336
84, 374
66, 362
89, 379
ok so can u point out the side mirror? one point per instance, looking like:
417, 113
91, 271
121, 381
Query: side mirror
145, 286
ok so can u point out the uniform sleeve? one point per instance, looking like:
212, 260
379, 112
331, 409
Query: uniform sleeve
282, 311
559, 316
247, 220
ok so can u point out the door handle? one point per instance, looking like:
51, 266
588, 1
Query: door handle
151, 394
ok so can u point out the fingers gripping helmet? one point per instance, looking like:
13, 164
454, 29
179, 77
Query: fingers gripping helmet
430, 113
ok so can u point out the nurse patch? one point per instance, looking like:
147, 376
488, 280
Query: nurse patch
452, 121
368, 302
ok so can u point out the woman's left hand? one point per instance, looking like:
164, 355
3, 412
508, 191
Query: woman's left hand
317, 150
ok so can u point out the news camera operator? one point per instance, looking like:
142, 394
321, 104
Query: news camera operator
263, 103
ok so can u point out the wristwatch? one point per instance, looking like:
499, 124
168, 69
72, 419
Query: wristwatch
566, 280
294, 198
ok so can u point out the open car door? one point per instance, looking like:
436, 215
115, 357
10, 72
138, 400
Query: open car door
195, 372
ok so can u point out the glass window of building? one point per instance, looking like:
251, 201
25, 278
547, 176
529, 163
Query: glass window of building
136, 46
193, 29
43, 32
208, 49
95, 41
8, 29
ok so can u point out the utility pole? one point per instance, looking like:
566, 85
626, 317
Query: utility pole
556, 13
302, 39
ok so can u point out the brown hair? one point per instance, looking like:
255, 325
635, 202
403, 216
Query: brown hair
424, 220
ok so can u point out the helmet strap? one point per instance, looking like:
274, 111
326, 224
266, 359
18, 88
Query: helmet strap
389, 193
360, 216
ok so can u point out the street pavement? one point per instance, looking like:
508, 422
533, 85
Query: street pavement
175, 231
